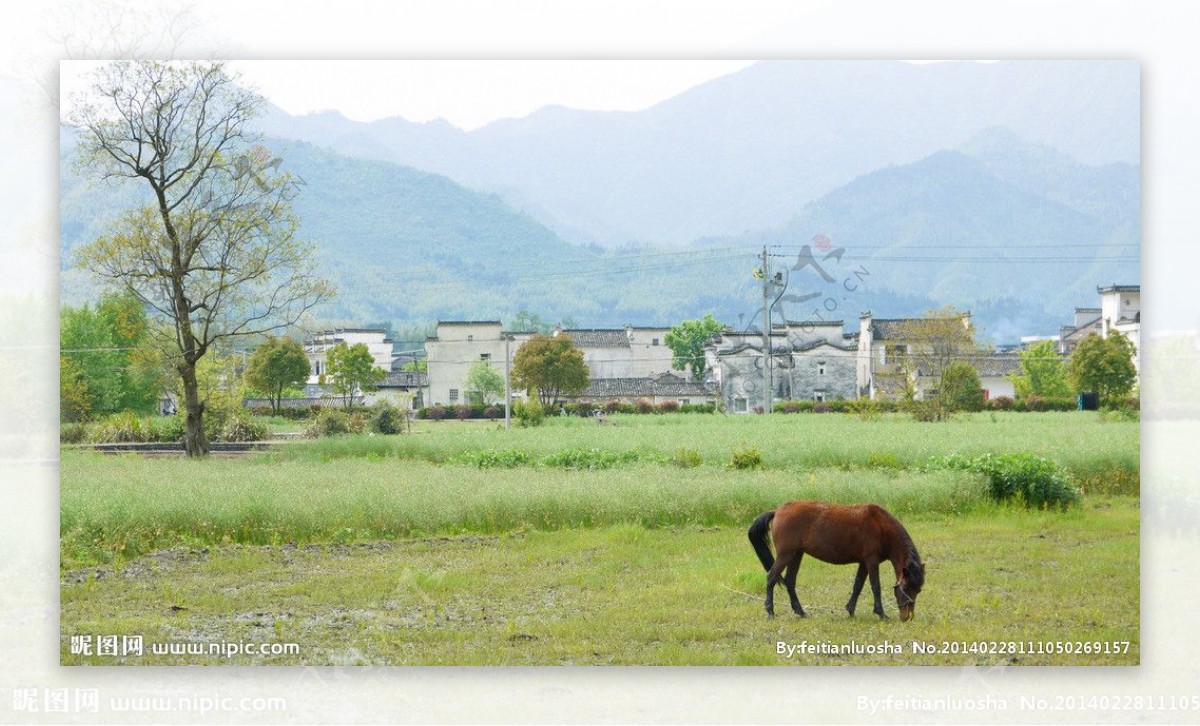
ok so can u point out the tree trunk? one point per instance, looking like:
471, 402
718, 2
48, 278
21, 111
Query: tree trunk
194, 440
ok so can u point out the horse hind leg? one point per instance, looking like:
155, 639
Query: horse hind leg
859, 578
789, 580
773, 577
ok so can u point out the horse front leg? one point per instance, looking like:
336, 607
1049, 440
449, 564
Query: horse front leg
873, 571
859, 579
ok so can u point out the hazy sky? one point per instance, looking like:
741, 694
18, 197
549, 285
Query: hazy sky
472, 93
468, 94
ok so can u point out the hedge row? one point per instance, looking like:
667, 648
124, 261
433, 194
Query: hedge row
463, 412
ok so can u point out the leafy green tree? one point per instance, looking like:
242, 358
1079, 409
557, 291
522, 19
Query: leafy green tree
1043, 373
484, 384
687, 341
74, 399
1104, 366
351, 369
276, 365
215, 254
961, 389
552, 365
111, 355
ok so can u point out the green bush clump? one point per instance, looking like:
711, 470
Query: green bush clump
495, 458
1030, 479
120, 428
686, 458
168, 428
529, 413
579, 458
750, 458
332, 422
387, 419
243, 428
72, 433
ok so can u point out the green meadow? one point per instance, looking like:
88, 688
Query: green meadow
573, 543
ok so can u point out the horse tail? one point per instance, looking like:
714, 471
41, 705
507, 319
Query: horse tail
759, 533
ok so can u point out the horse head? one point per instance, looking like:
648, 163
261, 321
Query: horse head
912, 579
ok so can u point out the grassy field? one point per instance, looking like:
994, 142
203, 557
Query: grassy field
624, 594
571, 543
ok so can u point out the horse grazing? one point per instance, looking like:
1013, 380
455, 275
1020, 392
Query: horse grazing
864, 533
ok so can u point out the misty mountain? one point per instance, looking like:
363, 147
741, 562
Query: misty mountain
1017, 232
747, 150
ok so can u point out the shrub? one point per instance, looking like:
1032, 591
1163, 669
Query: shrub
435, 413
599, 458
840, 405
529, 413
686, 458
960, 389
495, 459
72, 433
124, 427
1030, 479
1000, 403
788, 407
821, 407
462, 412
356, 422
168, 428
750, 458
493, 412
668, 407
612, 407
329, 422
643, 406
759, 409
387, 419
243, 428
866, 409
883, 460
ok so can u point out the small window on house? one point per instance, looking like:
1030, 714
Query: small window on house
820, 369
470, 338
485, 356
739, 405
819, 396
654, 341
453, 395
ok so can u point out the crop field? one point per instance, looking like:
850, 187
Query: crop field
462, 543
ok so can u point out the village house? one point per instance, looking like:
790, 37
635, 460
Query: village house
627, 352
810, 361
319, 345
655, 389
1087, 321
882, 348
460, 344
1121, 310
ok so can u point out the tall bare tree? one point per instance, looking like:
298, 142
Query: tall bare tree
216, 252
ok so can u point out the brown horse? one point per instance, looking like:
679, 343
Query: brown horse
864, 533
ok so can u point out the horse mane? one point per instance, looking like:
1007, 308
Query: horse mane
914, 569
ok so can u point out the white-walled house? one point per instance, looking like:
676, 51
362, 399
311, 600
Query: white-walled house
1121, 310
460, 344
316, 348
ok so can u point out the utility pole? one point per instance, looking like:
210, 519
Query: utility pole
767, 357
507, 386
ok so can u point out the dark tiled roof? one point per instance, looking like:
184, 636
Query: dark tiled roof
468, 322
1118, 288
888, 329
814, 344
998, 365
1070, 331
406, 379
664, 384
598, 338
1093, 311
